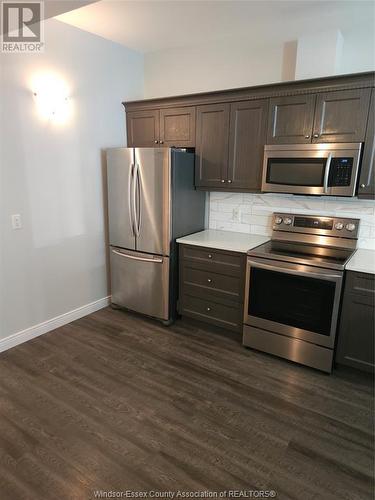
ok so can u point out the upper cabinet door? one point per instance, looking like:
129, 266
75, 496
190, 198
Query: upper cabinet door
366, 187
177, 127
143, 128
212, 145
291, 119
341, 116
248, 121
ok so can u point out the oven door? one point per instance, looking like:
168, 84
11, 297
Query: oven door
293, 300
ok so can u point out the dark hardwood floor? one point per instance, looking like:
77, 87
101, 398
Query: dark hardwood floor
117, 402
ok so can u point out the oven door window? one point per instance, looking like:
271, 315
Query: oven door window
297, 301
307, 172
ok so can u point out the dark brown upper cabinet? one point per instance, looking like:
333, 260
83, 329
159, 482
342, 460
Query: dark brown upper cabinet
212, 139
228, 126
341, 116
325, 117
177, 127
164, 127
366, 188
142, 128
248, 122
291, 119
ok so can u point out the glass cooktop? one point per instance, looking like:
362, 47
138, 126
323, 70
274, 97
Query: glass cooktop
312, 255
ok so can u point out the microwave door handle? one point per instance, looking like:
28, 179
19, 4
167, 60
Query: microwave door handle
280, 269
371, 162
326, 173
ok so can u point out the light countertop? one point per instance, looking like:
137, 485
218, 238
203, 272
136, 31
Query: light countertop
224, 240
363, 261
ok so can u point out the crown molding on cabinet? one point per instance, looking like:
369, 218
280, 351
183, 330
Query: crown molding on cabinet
311, 86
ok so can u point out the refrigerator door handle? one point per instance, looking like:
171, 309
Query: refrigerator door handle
136, 197
130, 181
134, 257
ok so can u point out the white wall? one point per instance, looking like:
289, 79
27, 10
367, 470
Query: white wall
239, 63
211, 67
52, 175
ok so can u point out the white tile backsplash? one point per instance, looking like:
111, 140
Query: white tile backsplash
251, 213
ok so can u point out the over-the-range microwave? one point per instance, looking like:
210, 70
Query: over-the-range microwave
315, 169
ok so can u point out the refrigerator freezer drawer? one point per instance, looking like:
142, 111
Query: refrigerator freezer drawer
140, 282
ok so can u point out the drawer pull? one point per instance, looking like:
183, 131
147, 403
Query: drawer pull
209, 280
209, 256
208, 309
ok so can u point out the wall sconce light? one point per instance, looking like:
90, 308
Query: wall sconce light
52, 98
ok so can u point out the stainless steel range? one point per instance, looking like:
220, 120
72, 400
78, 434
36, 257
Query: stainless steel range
293, 287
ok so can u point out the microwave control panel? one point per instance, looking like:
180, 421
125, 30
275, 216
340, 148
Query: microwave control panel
341, 172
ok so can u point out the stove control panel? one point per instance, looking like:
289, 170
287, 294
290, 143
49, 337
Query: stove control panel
313, 222
316, 224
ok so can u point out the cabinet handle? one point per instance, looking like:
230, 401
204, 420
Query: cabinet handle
307, 137
156, 142
161, 142
209, 280
222, 180
316, 136
229, 181
363, 186
208, 309
209, 256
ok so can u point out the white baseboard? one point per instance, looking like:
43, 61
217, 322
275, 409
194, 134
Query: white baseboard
51, 324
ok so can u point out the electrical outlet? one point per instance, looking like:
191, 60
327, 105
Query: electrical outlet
236, 214
16, 221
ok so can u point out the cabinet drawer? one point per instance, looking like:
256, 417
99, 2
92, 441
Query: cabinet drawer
213, 260
226, 316
202, 283
361, 283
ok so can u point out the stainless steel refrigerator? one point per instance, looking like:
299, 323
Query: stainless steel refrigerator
151, 202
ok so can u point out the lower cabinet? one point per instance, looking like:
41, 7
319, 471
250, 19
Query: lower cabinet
355, 343
212, 286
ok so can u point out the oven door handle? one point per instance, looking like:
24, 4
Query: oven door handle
326, 173
287, 270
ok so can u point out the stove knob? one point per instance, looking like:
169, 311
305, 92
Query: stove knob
287, 221
350, 227
278, 220
339, 225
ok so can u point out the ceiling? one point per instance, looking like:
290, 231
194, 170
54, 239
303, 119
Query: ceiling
53, 8
148, 26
